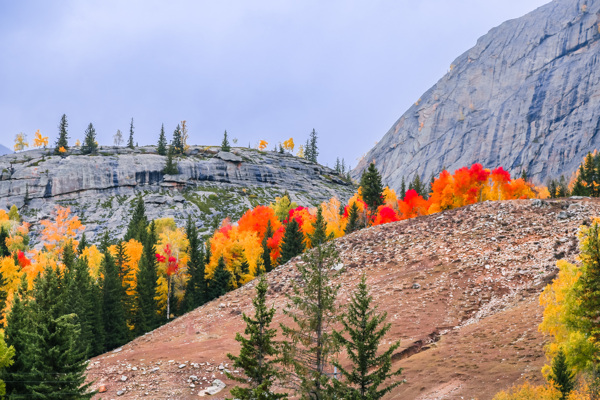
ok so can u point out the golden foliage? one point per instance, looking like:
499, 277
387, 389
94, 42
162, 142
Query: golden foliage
262, 145
39, 140
62, 230
530, 392
21, 142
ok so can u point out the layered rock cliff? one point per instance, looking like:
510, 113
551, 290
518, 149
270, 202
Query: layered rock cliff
526, 97
210, 185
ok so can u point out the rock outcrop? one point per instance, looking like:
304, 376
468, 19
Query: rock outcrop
210, 185
526, 97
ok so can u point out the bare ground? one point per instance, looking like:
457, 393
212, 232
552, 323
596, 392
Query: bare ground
460, 288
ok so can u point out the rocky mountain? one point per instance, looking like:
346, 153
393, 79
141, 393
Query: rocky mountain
460, 289
525, 97
4, 150
210, 185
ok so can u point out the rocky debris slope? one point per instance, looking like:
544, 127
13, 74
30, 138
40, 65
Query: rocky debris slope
460, 288
210, 184
526, 97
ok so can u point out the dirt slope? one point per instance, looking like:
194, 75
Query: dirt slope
460, 288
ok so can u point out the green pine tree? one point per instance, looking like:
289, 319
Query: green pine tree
196, 287
18, 336
162, 142
221, 281
114, 314
130, 142
372, 188
292, 243
146, 317
63, 137
3, 247
89, 142
171, 165
225, 144
314, 151
58, 367
266, 253
561, 375
122, 262
83, 243
369, 368
552, 188
177, 142
563, 187
258, 352
353, 219
418, 186
312, 308
319, 235
138, 223
580, 188
308, 151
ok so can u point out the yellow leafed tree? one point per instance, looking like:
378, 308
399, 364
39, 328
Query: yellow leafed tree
39, 140
262, 145
62, 230
21, 142
178, 245
289, 145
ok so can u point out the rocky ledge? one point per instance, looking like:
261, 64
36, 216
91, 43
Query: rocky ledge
209, 186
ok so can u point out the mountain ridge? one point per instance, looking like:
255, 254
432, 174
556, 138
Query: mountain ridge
524, 97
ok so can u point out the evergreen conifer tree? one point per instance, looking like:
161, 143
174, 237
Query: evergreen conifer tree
417, 186
18, 335
225, 144
372, 188
353, 220
258, 352
3, 247
338, 165
122, 263
89, 143
130, 143
365, 332
563, 187
314, 151
312, 308
161, 149
580, 188
146, 317
171, 165
63, 137
552, 188
561, 375
115, 319
319, 235
138, 223
308, 151
58, 367
83, 243
177, 142
266, 254
195, 289
221, 281
292, 243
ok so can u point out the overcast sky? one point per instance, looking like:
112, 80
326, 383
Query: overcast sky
259, 69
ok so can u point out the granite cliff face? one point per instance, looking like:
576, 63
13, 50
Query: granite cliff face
527, 96
210, 185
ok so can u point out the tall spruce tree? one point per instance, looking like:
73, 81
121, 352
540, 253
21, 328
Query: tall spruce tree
122, 262
18, 334
89, 142
369, 368
138, 223
292, 243
146, 317
314, 150
225, 144
561, 375
161, 149
58, 368
63, 137
195, 290
3, 247
319, 235
258, 352
221, 281
177, 142
130, 142
266, 251
308, 151
171, 165
312, 308
372, 188
114, 316
353, 219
